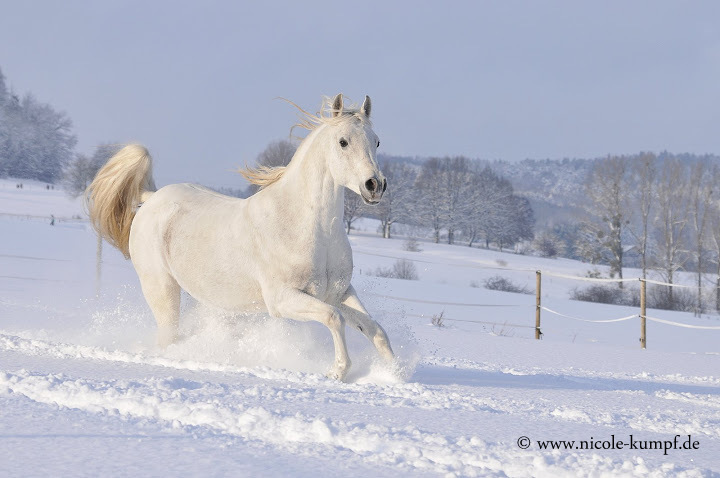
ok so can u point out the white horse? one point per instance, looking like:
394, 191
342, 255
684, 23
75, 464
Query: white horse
283, 250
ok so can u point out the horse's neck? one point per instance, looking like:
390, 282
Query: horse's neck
308, 183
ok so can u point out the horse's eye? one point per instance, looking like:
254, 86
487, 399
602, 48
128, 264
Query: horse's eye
343, 143
378, 145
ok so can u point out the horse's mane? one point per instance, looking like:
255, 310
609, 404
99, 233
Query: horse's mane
264, 176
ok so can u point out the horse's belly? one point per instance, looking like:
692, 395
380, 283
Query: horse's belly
233, 292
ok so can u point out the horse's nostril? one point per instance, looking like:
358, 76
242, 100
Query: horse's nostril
371, 185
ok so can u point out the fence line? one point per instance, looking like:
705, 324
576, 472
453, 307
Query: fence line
681, 286
475, 321
460, 304
587, 279
679, 324
592, 321
45, 217
539, 307
468, 266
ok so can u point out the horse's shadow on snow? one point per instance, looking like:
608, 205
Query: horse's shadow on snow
443, 375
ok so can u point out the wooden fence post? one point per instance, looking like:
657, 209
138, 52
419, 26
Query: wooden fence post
643, 338
538, 283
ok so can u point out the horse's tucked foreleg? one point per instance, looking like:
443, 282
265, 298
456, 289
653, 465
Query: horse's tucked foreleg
297, 305
162, 294
358, 318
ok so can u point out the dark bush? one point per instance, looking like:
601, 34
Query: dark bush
682, 300
506, 285
607, 294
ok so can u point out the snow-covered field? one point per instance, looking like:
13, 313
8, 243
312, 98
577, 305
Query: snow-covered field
84, 392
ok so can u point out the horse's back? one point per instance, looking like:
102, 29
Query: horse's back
175, 203
191, 232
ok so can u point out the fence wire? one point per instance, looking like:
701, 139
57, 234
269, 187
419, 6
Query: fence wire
459, 304
680, 324
621, 319
504, 324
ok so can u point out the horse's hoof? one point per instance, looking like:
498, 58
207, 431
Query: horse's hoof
336, 374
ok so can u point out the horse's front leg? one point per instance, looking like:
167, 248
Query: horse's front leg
297, 305
358, 317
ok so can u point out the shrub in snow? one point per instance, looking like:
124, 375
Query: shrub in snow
607, 294
549, 245
405, 269
437, 320
402, 269
412, 245
384, 272
682, 300
505, 285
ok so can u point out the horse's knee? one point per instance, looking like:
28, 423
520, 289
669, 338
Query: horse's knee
333, 320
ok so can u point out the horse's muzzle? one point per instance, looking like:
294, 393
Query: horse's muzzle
372, 190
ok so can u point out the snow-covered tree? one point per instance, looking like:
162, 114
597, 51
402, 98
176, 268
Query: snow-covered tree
35, 140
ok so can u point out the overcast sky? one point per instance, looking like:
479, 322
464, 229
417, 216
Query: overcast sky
196, 81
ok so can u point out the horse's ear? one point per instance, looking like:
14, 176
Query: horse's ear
337, 105
366, 106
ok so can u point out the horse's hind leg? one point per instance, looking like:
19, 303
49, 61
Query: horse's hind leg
357, 317
162, 294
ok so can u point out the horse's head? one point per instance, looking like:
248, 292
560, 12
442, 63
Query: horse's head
352, 145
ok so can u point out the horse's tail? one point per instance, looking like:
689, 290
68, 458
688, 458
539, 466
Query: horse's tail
117, 190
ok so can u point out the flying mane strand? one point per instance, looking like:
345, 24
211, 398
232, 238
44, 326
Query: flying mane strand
264, 176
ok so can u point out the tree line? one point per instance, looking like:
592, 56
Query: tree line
662, 213
36, 142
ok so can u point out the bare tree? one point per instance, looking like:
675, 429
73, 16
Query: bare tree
701, 196
671, 221
644, 173
398, 199
79, 173
445, 185
715, 238
278, 153
487, 197
430, 211
352, 210
607, 190
455, 192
